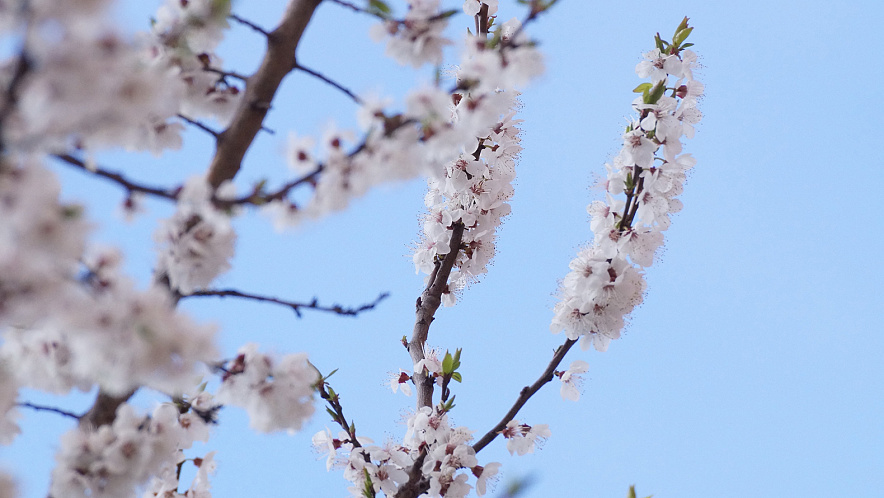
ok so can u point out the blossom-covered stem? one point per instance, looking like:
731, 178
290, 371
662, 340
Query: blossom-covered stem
261, 87
295, 306
328, 80
526, 394
427, 304
129, 185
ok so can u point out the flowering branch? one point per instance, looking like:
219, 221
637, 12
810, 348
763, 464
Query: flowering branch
295, 306
525, 394
427, 304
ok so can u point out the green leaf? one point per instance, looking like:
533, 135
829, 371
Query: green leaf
631, 492
686, 45
379, 8
447, 363
642, 88
656, 92
456, 376
334, 415
681, 36
682, 25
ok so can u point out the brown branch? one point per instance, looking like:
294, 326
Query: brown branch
52, 409
261, 87
526, 394
130, 186
249, 24
330, 81
199, 125
417, 483
104, 410
427, 304
295, 306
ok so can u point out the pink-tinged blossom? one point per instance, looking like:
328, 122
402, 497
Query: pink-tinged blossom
418, 39
401, 381
522, 438
277, 394
197, 243
484, 474
113, 460
572, 380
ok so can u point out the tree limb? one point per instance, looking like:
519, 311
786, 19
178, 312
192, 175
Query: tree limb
427, 304
261, 87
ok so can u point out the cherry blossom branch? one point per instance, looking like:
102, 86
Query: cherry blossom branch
261, 87
295, 306
525, 394
130, 186
328, 80
52, 409
427, 304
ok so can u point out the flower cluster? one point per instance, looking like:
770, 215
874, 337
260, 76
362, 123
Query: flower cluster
447, 458
606, 282
197, 243
474, 191
278, 395
184, 38
112, 460
418, 39
67, 329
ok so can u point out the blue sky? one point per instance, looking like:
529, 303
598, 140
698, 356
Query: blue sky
752, 369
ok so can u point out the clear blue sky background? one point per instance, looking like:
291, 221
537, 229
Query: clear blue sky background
754, 367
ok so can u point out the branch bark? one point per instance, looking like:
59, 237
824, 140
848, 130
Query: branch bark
279, 61
427, 304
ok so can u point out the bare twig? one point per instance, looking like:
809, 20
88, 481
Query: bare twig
328, 80
249, 24
526, 394
42, 408
295, 306
130, 186
199, 125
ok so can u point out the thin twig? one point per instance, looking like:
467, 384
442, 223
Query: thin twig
52, 409
199, 125
357, 8
295, 306
130, 186
328, 80
526, 394
222, 72
250, 24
